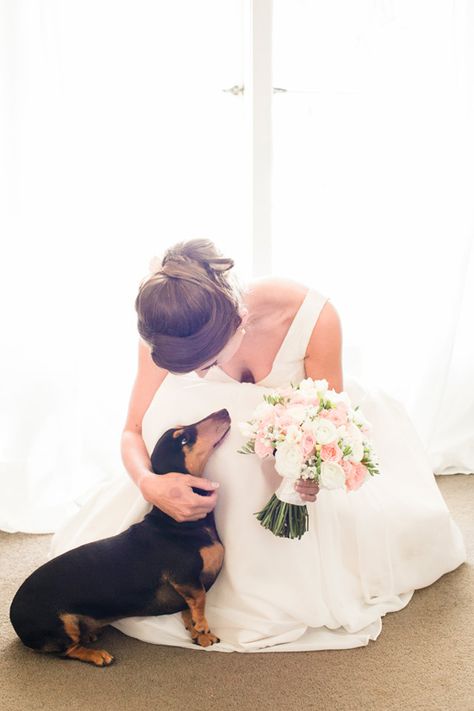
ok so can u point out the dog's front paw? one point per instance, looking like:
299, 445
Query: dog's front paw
205, 639
99, 657
102, 658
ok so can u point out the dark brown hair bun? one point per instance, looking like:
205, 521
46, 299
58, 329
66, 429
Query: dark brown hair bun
189, 309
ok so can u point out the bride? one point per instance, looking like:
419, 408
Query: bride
207, 343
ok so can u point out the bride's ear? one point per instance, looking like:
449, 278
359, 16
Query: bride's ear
244, 314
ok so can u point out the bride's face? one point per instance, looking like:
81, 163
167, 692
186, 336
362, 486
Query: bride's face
229, 350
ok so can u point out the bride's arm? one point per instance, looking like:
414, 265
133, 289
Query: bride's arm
323, 357
147, 381
172, 492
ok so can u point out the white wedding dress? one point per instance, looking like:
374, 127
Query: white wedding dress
364, 555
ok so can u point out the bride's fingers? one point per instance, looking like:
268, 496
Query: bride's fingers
202, 505
307, 487
198, 518
307, 493
308, 483
308, 497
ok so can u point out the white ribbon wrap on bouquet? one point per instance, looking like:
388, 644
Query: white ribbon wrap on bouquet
286, 492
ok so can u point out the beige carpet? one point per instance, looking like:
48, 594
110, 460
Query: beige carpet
422, 661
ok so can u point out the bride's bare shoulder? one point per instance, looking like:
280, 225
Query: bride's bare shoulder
268, 294
275, 292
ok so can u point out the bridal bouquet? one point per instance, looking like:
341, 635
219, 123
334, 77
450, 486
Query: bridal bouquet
314, 433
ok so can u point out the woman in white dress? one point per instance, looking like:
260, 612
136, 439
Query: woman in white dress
207, 344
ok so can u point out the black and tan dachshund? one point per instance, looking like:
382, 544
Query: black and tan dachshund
155, 567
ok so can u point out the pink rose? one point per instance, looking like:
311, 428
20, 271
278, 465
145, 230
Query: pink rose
262, 448
331, 453
298, 399
308, 443
337, 415
284, 421
356, 474
347, 465
267, 419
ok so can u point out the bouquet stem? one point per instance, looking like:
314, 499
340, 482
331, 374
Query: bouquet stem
283, 519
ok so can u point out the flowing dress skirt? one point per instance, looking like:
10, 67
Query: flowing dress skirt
364, 555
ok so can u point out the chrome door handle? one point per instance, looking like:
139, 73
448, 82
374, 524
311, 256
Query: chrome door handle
238, 90
235, 90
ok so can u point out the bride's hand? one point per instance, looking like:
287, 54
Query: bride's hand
307, 489
172, 493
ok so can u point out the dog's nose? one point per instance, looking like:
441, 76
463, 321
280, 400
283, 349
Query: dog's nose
223, 414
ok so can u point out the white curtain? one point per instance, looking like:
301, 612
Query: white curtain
117, 139
373, 194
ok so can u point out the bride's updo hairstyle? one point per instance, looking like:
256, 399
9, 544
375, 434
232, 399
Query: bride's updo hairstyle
188, 308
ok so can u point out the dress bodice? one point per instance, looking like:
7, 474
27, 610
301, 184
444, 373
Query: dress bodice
288, 365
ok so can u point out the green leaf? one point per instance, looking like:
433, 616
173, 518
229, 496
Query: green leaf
248, 448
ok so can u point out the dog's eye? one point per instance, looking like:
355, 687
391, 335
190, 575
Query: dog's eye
184, 440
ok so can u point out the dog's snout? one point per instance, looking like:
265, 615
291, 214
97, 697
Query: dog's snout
220, 416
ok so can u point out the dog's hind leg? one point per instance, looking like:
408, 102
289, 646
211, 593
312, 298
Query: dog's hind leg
76, 650
194, 619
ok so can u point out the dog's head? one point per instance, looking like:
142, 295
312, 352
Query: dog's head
187, 448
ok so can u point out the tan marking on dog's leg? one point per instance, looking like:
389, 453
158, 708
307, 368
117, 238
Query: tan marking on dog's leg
71, 627
187, 618
188, 622
212, 558
99, 657
195, 598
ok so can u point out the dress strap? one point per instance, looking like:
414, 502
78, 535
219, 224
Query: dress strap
296, 341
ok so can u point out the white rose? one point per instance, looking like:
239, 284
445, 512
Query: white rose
339, 397
307, 384
357, 448
289, 460
353, 431
332, 476
324, 430
321, 384
307, 391
246, 429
